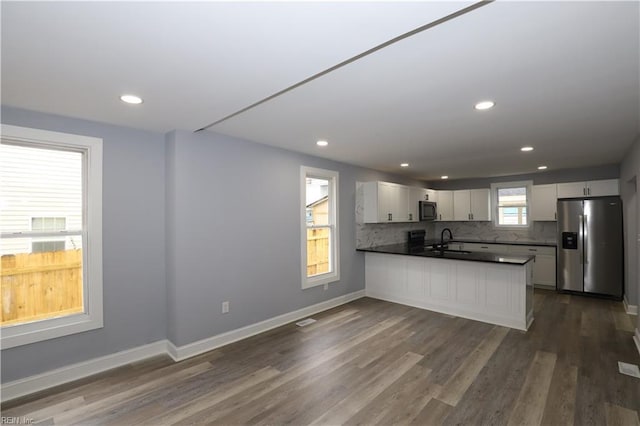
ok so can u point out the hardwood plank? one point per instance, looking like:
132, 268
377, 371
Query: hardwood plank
620, 416
622, 320
395, 395
434, 413
458, 384
561, 401
79, 413
529, 407
367, 392
206, 400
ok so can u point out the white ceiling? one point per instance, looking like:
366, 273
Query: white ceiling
564, 75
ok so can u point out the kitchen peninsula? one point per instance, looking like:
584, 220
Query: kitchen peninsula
486, 287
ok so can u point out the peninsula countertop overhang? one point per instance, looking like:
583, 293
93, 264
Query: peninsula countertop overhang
427, 251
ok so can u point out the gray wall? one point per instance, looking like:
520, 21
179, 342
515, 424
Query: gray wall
191, 220
629, 174
234, 233
540, 178
133, 248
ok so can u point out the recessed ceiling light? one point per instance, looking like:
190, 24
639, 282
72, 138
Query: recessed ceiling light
444, 177
542, 167
404, 164
485, 105
131, 99
322, 143
526, 148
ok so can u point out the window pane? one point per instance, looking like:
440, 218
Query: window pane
318, 251
512, 197
42, 283
40, 190
512, 215
317, 201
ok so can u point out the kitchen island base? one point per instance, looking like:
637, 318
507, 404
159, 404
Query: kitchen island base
495, 293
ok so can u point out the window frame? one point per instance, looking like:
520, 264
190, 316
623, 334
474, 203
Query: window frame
334, 244
92, 317
527, 184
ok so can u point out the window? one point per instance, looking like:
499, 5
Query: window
510, 203
51, 234
319, 206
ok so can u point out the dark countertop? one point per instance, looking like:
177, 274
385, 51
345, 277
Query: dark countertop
421, 251
515, 243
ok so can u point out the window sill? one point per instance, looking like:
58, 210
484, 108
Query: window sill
24, 334
320, 280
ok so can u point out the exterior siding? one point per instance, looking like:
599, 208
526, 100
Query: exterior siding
38, 182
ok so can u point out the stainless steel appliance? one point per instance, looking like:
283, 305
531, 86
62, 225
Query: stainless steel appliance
590, 246
428, 210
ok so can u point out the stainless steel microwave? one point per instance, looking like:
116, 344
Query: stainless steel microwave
428, 210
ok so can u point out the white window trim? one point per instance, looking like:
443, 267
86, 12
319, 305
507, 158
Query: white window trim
92, 318
334, 275
494, 203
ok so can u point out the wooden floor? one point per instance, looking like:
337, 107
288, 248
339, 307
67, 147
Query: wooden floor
374, 362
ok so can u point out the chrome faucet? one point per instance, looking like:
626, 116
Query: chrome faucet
442, 237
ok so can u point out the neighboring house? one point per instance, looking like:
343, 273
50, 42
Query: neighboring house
40, 191
318, 211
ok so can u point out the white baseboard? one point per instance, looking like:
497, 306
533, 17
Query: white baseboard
39, 382
77, 371
630, 309
636, 339
179, 353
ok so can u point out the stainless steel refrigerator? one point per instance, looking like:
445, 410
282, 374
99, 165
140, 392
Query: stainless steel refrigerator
590, 246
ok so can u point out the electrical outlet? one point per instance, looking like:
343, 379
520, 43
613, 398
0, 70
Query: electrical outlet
225, 307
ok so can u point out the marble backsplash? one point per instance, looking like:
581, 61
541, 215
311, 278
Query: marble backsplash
376, 234
541, 232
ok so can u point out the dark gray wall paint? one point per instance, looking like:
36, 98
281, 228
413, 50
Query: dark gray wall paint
629, 175
236, 232
554, 176
133, 248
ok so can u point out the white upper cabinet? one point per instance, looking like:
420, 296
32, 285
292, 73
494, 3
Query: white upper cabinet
445, 205
594, 188
386, 202
480, 204
472, 204
544, 202
431, 195
462, 205
600, 188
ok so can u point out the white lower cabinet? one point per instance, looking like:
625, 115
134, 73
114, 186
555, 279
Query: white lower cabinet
496, 293
544, 267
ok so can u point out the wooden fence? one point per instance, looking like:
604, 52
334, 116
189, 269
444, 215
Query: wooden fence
40, 285
317, 251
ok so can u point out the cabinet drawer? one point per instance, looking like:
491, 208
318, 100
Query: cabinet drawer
532, 250
489, 248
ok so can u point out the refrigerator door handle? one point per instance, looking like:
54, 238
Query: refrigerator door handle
584, 240
581, 238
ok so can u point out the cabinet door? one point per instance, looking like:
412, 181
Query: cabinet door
385, 202
480, 204
461, 205
415, 196
445, 205
600, 188
572, 190
400, 207
543, 202
544, 270
431, 195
